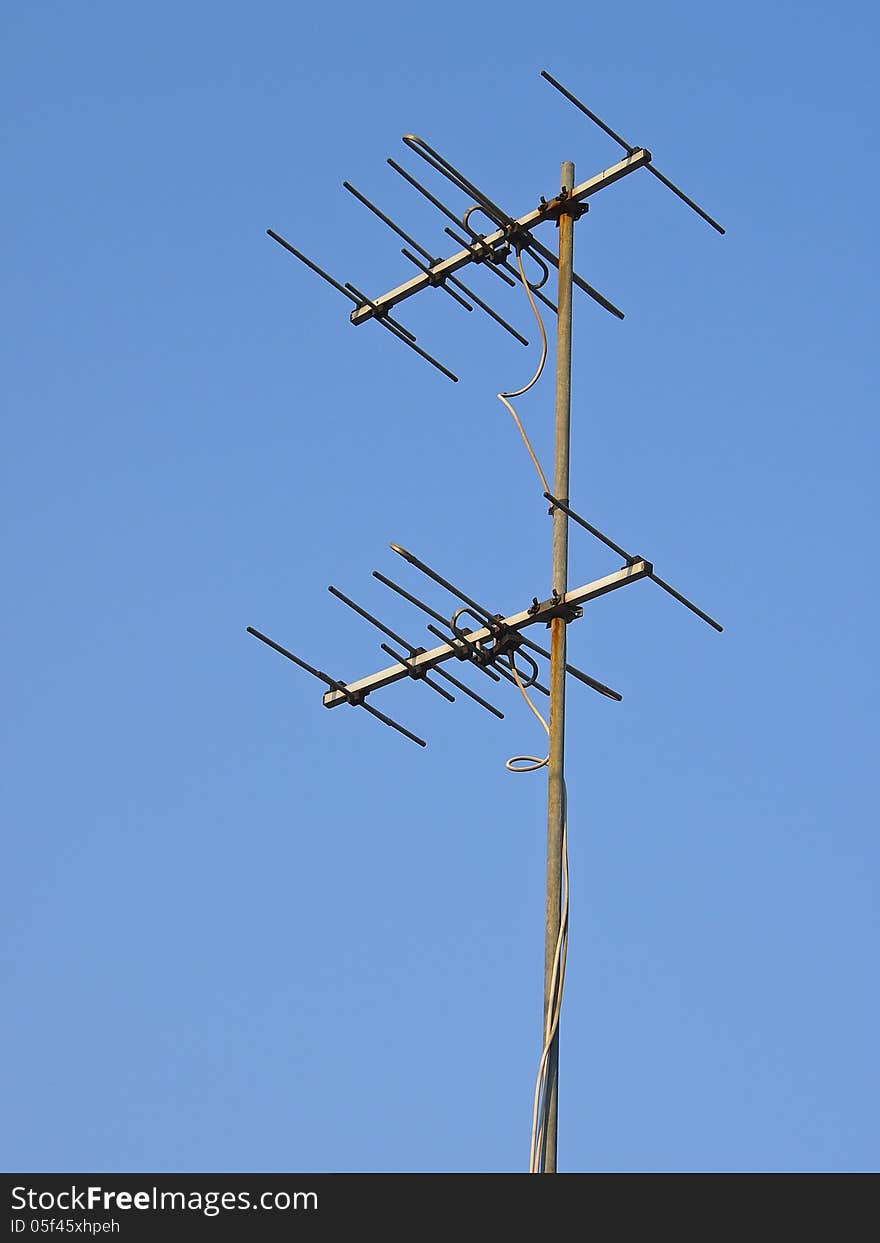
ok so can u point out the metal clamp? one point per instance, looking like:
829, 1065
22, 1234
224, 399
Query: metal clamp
518, 237
354, 698
562, 205
416, 672
483, 252
505, 642
557, 607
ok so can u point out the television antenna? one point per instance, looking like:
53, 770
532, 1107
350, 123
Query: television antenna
495, 644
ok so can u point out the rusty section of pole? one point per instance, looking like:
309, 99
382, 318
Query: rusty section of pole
555, 769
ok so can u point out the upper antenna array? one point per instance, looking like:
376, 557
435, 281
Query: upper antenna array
492, 251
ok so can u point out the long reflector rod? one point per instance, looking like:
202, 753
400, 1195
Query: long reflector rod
629, 148
676, 595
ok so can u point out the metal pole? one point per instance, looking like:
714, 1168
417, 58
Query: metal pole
555, 771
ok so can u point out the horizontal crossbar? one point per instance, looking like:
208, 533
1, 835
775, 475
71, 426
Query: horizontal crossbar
518, 621
446, 267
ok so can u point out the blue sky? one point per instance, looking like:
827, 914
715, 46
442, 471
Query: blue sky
242, 933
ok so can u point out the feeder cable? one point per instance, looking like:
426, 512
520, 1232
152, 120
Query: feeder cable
502, 397
528, 764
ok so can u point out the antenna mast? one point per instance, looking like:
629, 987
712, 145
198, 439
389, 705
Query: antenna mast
558, 643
